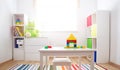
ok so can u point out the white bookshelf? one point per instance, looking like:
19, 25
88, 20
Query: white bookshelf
18, 28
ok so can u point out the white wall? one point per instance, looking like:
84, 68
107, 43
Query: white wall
26, 6
6, 7
58, 38
106, 4
114, 7
115, 34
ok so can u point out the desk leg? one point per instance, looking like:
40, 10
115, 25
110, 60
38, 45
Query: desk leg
92, 62
41, 62
46, 62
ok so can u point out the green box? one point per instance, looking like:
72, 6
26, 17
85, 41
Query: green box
89, 42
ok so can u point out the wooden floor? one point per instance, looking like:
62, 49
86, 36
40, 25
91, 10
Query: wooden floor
6, 65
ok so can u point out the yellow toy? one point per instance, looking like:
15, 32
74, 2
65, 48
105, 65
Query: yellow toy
71, 41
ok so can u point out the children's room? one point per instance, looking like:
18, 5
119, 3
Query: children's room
59, 35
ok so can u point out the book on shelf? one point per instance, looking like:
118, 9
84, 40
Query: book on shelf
18, 31
19, 42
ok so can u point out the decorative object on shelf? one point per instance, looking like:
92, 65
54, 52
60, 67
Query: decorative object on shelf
94, 31
18, 21
28, 34
30, 30
18, 31
89, 20
83, 47
71, 41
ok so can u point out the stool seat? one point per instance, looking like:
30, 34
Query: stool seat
61, 62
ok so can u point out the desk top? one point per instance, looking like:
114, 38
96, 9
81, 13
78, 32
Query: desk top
65, 49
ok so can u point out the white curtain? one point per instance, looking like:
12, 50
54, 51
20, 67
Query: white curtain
56, 15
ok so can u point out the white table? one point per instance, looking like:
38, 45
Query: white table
61, 51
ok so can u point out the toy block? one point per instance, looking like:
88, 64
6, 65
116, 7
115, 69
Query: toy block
71, 41
71, 37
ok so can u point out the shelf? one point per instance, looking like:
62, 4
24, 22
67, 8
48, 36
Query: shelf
92, 37
18, 37
18, 25
19, 48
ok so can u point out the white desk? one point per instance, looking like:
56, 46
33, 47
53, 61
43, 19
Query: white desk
61, 51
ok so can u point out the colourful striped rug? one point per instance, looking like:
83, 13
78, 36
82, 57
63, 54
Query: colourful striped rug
37, 67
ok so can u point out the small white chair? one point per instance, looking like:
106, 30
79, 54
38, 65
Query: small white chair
64, 61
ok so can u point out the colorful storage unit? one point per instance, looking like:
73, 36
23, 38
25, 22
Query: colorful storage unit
91, 33
71, 41
98, 35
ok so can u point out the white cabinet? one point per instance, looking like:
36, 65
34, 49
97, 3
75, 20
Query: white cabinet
25, 48
31, 47
101, 19
102, 36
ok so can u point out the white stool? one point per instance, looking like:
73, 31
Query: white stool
61, 62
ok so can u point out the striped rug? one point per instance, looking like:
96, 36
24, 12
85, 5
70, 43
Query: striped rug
37, 67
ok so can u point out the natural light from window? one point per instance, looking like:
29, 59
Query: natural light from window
56, 15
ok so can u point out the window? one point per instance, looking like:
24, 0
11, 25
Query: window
56, 15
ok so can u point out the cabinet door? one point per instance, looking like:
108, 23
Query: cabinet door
18, 54
38, 41
32, 45
33, 55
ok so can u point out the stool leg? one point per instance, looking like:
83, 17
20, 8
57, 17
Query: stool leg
54, 67
79, 62
46, 62
69, 67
